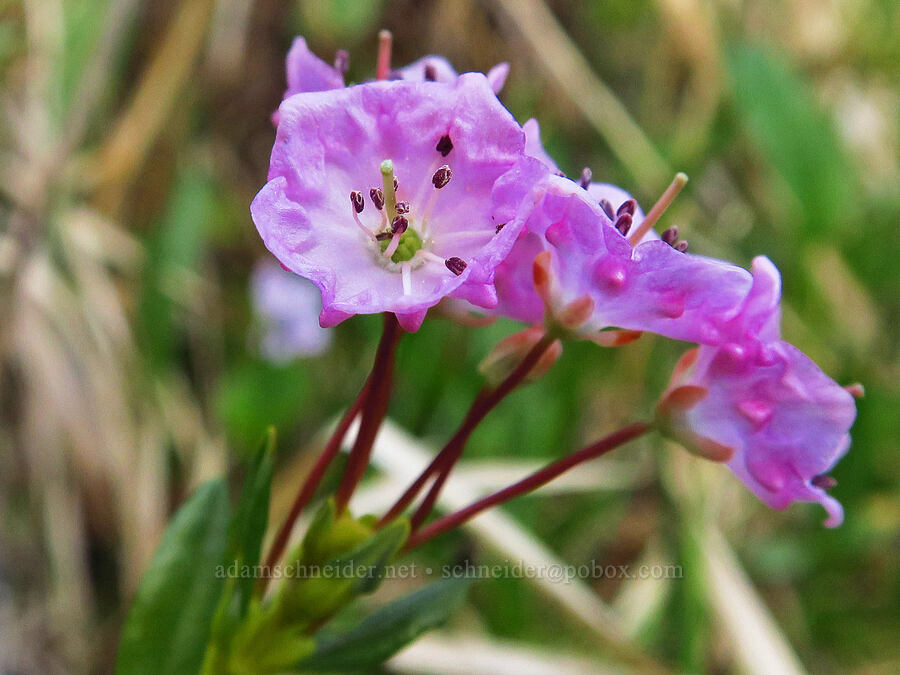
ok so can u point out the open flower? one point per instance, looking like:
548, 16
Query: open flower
288, 308
573, 260
438, 69
381, 194
307, 72
761, 405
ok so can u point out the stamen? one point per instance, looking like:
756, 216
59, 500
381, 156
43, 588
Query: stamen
560, 173
586, 175
383, 236
628, 207
428, 255
399, 225
390, 187
383, 67
670, 236
623, 224
402, 207
441, 177
377, 197
444, 146
823, 481
430, 73
396, 184
341, 61
456, 265
499, 227
659, 208
406, 276
682, 246
357, 204
392, 247
607, 208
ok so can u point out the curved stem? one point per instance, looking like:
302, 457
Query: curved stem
442, 464
535, 480
373, 411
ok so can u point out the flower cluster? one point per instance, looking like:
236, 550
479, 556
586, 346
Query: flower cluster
396, 194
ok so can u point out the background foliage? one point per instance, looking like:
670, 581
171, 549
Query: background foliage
135, 135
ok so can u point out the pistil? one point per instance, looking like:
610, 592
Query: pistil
659, 208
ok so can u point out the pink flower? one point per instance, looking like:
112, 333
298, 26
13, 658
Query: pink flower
381, 194
438, 69
572, 259
762, 406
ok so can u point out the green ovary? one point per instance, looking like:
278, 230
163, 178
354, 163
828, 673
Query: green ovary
410, 242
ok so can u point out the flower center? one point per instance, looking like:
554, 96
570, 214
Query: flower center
400, 247
410, 242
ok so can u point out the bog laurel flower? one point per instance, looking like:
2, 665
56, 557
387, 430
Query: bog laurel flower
574, 261
288, 308
761, 405
381, 194
306, 72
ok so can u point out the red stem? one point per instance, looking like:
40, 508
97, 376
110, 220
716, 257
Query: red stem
374, 411
311, 484
447, 457
535, 480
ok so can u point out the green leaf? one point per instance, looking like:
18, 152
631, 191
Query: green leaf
798, 139
248, 527
168, 626
245, 535
386, 631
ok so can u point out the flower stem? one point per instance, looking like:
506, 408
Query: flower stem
311, 484
373, 411
535, 480
442, 464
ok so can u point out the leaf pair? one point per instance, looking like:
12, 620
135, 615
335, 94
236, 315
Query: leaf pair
192, 610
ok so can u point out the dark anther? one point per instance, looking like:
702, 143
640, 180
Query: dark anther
399, 225
823, 481
444, 146
402, 207
499, 227
561, 174
377, 197
430, 73
356, 199
341, 61
383, 236
607, 208
670, 236
682, 246
456, 265
586, 175
396, 184
627, 207
442, 176
623, 223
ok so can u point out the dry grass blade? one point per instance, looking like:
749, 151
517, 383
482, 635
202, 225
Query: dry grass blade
758, 644
464, 654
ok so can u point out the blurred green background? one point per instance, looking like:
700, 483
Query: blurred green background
134, 136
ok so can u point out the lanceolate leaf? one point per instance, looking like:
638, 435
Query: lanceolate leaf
388, 630
169, 623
